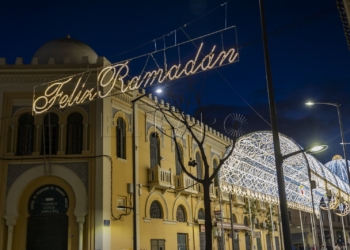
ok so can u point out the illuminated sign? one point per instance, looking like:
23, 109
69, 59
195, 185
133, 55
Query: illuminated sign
59, 95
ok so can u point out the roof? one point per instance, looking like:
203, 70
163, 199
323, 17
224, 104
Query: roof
65, 50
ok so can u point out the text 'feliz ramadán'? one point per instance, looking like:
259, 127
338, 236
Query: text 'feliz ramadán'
110, 75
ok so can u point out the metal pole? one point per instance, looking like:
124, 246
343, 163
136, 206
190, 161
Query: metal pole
312, 219
323, 238
134, 199
342, 221
134, 177
222, 221
232, 238
330, 225
343, 143
251, 224
272, 236
302, 228
276, 143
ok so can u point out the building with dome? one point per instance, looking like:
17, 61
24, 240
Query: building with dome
66, 174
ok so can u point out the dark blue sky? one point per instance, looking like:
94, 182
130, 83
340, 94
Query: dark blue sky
310, 59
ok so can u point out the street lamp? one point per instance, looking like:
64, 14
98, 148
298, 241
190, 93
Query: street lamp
341, 131
135, 173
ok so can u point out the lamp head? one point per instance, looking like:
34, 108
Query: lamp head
316, 149
159, 90
309, 103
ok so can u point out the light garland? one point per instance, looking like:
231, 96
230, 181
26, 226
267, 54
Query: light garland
110, 75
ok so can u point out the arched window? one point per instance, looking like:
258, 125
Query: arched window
216, 178
257, 225
180, 214
25, 136
154, 150
234, 218
50, 135
74, 142
246, 223
177, 154
199, 166
121, 138
156, 210
201, 214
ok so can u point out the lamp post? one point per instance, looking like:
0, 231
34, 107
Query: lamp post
274, 127
135, 174
341, 131
312, 150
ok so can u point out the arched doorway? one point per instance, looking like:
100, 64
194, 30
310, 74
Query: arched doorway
47, 226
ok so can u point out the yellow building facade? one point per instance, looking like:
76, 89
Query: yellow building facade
67, 174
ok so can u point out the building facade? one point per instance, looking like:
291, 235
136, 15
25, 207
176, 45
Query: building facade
67, 174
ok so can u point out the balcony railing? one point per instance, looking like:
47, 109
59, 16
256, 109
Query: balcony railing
201, 191
160, 178
261, 206
185, 184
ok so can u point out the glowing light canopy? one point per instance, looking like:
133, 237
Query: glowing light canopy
251, 171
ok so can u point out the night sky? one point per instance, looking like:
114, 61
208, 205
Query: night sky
310, 59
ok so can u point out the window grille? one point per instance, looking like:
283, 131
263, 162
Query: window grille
50, 136
25, 136
154, 150
180, 214
201, 214
156, 210
74, 142
199, 166
178, 164
121, 138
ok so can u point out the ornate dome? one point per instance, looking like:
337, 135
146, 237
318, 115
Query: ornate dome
63, 48
337, 167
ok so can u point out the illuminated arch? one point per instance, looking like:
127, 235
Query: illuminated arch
250, 171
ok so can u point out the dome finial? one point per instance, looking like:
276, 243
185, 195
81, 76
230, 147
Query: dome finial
68, 36
337, 157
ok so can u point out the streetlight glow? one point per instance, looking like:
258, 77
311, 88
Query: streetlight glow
317, 149
159, 90
309, 103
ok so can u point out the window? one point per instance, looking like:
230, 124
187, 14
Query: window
50, 134
154, 150
199, 166
256, 223
246, 223
157, 244
74, 143
25, 134
216, 178
182, 241
156, 210
201, 214
121, 138
234, 218
177, 154
180, 214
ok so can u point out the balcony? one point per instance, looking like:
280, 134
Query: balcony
261, 206
225, 197
211, 191
238, 200
159, 178
185, 185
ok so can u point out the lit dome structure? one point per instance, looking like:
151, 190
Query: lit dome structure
65, 50
338, 167
251, 171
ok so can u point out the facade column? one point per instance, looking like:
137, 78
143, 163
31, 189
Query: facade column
12, 137
86, 126
10, 222
81, 221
